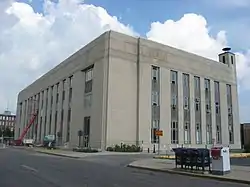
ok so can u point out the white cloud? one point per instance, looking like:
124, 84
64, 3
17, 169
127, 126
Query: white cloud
31, 43
191, 33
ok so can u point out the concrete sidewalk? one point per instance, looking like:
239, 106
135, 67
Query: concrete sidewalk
238, 174
232, 155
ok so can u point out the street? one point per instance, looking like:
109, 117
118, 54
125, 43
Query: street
27, 169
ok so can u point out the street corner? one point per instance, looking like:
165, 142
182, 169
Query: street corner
164, 157
240, 155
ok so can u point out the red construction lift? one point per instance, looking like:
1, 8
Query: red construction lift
19, 141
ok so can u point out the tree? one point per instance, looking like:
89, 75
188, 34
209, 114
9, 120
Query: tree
1, 132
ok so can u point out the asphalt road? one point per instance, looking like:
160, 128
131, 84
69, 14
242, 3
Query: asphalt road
29, 169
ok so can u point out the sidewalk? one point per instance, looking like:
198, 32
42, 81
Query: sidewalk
232, 155
239, 174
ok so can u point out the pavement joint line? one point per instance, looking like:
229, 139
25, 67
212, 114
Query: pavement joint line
29, 168
170, 171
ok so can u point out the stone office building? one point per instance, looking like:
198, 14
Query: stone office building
121, 89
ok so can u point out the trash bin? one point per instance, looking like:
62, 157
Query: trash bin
179, 156
203, 159
190, 158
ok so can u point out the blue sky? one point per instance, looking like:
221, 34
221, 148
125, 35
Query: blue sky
140, 13
230, 15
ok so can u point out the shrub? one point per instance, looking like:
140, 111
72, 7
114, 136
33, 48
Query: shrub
85, 150
125, 148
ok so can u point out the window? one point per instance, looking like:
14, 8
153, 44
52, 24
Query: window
50, 123
57, 87
52, 87
57, 97
207, 84
186, 80
197, 83
68, 126
209, 134
61, 123
51, 101
187, 139
55, 127
42, 99
87, 100
218, 134
89, 75
224, 59
216, 87
64, 82
156, 124
173, 77
198, 133
174, 132
217, 109
232, 59
186, 102
70, 95
174, 100
155, 73
155, 98
63, 95
197, 105
228, 90
86, 131
70, 81
231, 140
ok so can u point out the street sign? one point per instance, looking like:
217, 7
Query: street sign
159, 133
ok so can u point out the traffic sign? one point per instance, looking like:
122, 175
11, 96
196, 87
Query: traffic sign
159, 133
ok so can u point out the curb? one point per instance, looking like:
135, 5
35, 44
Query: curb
192, 174
57, 154
241, 155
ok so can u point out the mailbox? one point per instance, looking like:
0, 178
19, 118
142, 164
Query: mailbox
220, 160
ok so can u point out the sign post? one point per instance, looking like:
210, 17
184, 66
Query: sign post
158, 133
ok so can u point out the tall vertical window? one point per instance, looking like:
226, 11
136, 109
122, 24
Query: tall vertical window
174, 132
186, 111
61, 124
198, 133
174, 107
42, 99
197, 83
155, 73
217, 112
63, 88
68, 126
208, 111
51, 95
86, 131
174, 77
70, 95
88, 87
70, 81
57, 93
230, 114
155, 103
55, 127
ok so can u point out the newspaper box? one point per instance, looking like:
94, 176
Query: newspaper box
220, 160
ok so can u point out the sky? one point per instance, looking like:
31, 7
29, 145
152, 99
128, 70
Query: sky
36, 35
